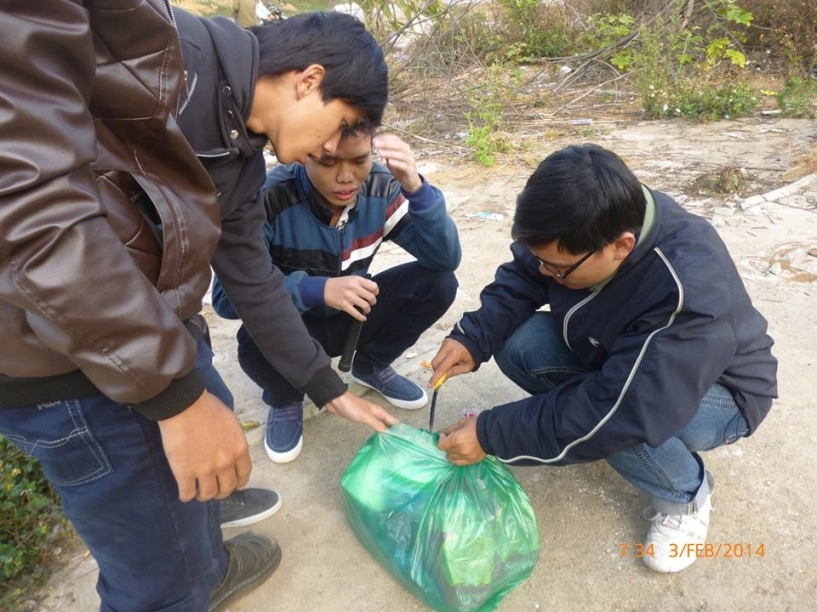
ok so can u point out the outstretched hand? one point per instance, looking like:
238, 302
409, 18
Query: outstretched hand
359, 410
206, 449
399, 160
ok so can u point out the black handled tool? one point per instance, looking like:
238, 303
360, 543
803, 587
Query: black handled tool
345, 363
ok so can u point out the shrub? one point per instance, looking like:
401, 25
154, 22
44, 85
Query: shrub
796, 99
29, 514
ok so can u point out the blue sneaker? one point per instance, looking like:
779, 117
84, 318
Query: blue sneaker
398, 390
285, 433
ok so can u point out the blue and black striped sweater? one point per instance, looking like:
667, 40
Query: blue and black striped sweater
308, 250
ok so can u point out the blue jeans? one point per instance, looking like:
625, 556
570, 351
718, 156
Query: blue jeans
154, 552
672, 475
411, 299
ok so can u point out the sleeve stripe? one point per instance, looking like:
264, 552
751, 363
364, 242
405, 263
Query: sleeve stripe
396, 211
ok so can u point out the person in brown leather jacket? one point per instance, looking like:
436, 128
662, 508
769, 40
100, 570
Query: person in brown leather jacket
108, 223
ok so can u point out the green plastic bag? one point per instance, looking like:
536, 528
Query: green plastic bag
458, 538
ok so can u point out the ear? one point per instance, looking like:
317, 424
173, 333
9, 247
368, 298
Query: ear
309, 80
624, 245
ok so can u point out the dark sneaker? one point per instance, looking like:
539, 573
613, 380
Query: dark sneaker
248, 506
252, 559
285, 433
398, 390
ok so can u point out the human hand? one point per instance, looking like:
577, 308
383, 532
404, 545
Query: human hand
359, 410
460, 443
451, 360
399, 160
206, 449
354, 295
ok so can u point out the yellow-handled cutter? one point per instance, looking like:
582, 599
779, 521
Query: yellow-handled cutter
433, 409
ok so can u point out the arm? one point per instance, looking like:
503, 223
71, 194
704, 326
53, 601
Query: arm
256, 290
66, 269
430, 235
517, 292
648, 389
62, 264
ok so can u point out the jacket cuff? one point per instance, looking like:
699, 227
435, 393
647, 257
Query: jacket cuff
472, 347
421, 199
180, 394
482, 432
312, 290
325, 386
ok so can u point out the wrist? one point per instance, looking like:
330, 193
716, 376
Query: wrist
412, 186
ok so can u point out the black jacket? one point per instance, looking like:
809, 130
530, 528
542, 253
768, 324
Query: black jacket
673, 321
221, 63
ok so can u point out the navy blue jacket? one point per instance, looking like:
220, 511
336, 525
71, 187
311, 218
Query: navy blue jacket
309, 251
674, 320
221, 65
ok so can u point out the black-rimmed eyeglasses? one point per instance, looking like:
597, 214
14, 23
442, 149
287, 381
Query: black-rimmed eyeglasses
563, 275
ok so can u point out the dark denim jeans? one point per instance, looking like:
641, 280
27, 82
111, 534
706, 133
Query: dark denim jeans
672, 475
154, 552
411, 299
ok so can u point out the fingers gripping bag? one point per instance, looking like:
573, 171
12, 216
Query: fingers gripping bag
458, 538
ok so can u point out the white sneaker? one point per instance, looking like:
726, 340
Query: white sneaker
675, 541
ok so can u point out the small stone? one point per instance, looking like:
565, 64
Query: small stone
775, 268
813, 251
750, 202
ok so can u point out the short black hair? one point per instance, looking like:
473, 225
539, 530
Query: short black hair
582, 196
356, 70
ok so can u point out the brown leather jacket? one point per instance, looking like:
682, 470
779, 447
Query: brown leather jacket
89, 300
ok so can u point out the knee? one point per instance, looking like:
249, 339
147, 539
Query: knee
446, 287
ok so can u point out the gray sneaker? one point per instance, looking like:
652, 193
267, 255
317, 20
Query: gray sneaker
248, 506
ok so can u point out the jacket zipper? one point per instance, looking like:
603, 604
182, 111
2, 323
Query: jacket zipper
341, 227
570, 314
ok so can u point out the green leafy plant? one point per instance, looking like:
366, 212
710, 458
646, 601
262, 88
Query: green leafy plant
29, 514
531, 30
797, 98
486, 118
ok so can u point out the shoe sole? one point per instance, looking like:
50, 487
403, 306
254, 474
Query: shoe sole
247, 585
255, 518
404, 404
286, 456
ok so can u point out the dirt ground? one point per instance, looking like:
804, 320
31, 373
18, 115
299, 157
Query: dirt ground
585, 513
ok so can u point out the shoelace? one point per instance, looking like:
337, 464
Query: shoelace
384, 376
293, 412
236, 498
654, 516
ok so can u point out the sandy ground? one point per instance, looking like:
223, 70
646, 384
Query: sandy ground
585, 513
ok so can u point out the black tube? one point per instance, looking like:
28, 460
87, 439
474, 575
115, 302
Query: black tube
345, 363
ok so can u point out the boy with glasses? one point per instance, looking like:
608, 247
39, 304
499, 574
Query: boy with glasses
651, 351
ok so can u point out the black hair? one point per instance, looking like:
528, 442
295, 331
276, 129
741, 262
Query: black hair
583, 196
356, 70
